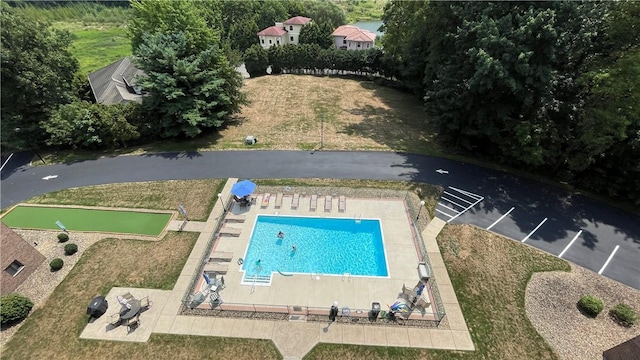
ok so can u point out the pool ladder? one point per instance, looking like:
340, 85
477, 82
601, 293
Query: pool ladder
357, 218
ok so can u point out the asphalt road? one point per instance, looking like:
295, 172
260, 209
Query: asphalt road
589, 233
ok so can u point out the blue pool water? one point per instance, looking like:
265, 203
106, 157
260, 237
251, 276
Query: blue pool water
323, 246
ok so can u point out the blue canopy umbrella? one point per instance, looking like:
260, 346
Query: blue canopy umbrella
243, 188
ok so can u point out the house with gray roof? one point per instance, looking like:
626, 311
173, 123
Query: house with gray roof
116, 83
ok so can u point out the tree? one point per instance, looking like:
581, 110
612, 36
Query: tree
315, 33
256, 60
170, 17
188, 91
37, 76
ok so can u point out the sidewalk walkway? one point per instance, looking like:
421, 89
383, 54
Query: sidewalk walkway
293, 339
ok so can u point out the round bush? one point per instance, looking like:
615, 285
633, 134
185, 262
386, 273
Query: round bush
70, 249
590, 305
63, 237
624, 314
14, 307
56, 264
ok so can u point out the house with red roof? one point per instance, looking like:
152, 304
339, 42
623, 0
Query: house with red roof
349, 37
284, 33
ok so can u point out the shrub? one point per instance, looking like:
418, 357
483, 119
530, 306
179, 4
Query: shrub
63, 237
14, 307
590, 305
624, 314
70, 249
56, 264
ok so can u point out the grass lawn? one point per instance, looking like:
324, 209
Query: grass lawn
96, 46
197, 196
53, 331
489, 274
77, 219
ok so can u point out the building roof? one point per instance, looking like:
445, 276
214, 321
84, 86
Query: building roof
354, 33
272, 31
297, 20
116, 83
625, 351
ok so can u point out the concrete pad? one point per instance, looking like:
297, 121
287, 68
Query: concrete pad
164, 323
202, 325
353, 335
397, 336
442, 339
331, 333
419, 338
183, 324
463, 341
456, 319
375, 335
222, 327
262, 329
294, 339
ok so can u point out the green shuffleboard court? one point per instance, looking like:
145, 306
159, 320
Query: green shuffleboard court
113, 221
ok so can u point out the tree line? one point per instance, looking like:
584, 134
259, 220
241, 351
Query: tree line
549, 87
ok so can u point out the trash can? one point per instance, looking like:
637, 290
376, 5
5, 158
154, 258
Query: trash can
333, 313
375, 311
97, 307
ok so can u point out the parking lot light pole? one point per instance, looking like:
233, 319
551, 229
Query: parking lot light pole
222, 201
420, 210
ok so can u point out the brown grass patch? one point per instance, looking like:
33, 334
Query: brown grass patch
197, 196
489, 274
285, 112
53, 330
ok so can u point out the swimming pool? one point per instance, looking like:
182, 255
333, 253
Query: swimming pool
322, 245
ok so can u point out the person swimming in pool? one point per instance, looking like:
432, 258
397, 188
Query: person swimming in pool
280, 235
293, 247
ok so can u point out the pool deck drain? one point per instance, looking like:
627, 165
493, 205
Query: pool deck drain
294, 339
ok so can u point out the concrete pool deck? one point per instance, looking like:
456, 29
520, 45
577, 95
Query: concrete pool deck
294, 339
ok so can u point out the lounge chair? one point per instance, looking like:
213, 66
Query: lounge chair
342, 204
295, 201
422, 303
233, 217
230, 231
313, 204
279, 197
327, 202
220, 256
216, 268
127, 296
265, 200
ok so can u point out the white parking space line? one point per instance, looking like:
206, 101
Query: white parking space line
534, 230
446, 207
457, 197
609, 259
444, 213
453, 202
469, 194
6, 161
501, 217
570, 243
467, 208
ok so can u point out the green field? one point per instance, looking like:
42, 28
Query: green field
74, 219
96, 48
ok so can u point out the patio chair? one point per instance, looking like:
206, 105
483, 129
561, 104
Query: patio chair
145, 303
265, 200
313, 204
114, 320
327, 202
422, 303
278, 203
295, 201
342, 204
133, 323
